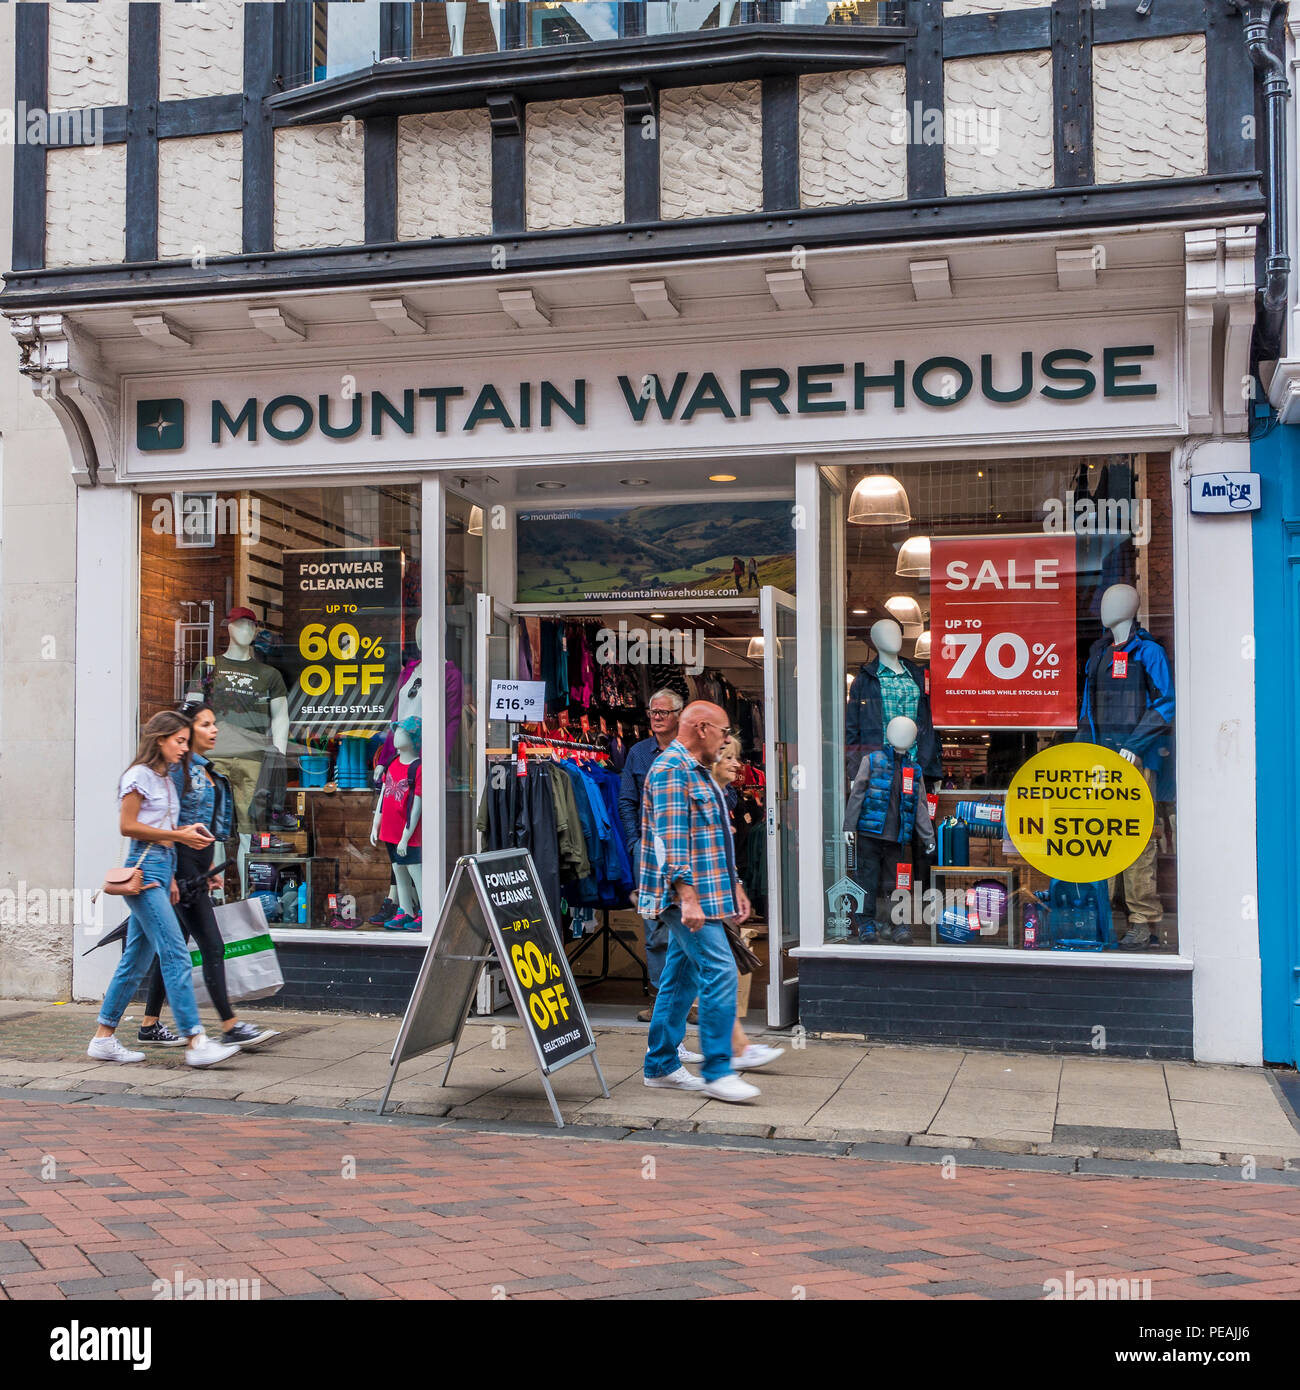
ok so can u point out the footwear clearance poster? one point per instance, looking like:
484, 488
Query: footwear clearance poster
1002, 623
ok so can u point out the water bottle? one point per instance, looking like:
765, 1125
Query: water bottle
302, 903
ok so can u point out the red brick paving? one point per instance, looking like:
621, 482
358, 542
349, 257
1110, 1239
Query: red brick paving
453, 1213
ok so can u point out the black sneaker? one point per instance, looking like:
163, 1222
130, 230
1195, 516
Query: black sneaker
160, 1035
283, 820
248, 1035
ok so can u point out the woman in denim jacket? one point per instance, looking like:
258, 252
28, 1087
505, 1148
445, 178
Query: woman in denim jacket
205, 799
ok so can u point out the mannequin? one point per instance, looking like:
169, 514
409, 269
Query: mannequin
251, 704
903, 688
1128, 706
886, 806
397, 824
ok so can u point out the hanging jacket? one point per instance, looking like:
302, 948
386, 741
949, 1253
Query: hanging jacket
864, 725
869, 799
1133, 711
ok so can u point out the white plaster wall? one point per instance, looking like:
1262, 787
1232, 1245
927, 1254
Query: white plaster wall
37, 652
200, 196
200, 49
952, 8
1149, 109
574, 162
85, 207
87, 65
444, 175
710, 150
320, 186
852, 148
1002, 106
1215, 749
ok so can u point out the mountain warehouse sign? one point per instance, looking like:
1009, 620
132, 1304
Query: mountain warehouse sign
708, 398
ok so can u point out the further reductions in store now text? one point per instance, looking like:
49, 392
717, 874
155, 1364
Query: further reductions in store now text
1002, 619
342, 635
544, 986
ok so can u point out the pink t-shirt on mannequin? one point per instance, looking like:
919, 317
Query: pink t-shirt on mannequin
392, 813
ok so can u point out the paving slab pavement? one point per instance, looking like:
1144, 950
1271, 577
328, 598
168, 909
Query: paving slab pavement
820, 1090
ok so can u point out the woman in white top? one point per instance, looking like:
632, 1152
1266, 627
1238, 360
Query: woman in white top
148, 810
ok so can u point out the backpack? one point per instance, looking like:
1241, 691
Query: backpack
1078, 916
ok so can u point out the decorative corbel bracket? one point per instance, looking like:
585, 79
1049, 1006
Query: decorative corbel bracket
66, 371
1219, 310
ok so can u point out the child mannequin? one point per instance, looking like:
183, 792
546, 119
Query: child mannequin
397, 825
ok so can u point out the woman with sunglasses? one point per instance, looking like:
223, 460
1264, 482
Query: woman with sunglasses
205, 799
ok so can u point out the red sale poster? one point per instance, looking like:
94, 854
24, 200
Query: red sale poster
1002, 619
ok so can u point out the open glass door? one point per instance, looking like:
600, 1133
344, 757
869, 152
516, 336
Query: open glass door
781, 754
498, 659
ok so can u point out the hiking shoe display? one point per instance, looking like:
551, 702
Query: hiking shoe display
387, 909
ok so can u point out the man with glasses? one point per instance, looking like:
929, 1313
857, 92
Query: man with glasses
665, 712
688, 881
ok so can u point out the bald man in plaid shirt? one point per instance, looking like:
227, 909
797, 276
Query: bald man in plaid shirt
688, 880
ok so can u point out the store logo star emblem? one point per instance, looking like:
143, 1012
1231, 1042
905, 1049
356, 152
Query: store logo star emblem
160, 425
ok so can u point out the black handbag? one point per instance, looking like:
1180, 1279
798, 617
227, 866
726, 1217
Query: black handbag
746, 961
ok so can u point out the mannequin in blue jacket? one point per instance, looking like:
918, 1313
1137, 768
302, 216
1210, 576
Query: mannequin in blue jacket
887, 687
1128, 706
886, 803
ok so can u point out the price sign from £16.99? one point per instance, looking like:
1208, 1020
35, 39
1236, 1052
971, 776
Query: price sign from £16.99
1002, 623
342, 635
517, 701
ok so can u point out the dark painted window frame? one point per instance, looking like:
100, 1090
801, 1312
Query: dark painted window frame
778, 52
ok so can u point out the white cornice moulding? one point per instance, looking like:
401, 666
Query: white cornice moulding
655, 299
276, 324
398, 316
159, 329
523, 308
789, 289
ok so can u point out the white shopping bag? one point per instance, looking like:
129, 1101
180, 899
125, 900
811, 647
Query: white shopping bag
252, 969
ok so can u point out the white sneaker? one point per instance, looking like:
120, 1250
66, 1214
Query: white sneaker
756, 1055
110, 1050
730, 1087
679, 1080
206, 1053
684, 1054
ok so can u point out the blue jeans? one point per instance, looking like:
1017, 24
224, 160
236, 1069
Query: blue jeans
699, 963
153, 930
656, 950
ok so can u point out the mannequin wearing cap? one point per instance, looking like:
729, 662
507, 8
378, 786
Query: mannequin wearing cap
251, 704
397, 824
886, 807
1128, 706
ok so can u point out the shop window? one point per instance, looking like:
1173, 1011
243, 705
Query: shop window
464, 570
300, 624
1012, 620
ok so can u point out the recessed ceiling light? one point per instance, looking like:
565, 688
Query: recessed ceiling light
656, 615
860, 612
722, 477
634, 482
551, 487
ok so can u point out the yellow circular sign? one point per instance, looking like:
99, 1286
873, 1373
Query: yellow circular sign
1079, 812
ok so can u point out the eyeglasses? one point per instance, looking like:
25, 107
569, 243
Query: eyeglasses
664, 713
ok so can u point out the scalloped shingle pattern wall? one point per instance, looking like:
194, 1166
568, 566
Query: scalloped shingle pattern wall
850, 150
953, 8
574, 153
710, 150
200, 50
1149, 109
998, 123
444, 175
87, 65
320, 186
200, 196
85, 205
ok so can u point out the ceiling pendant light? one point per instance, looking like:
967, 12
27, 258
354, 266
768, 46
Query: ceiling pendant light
879, 500
914, 558
905, 610
475, 527
922, 652
755, 651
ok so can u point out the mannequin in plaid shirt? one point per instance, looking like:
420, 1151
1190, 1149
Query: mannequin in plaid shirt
688, 879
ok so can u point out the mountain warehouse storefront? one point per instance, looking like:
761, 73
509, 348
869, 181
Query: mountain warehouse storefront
939, 569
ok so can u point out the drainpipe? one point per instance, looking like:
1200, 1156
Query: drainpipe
1257, 16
